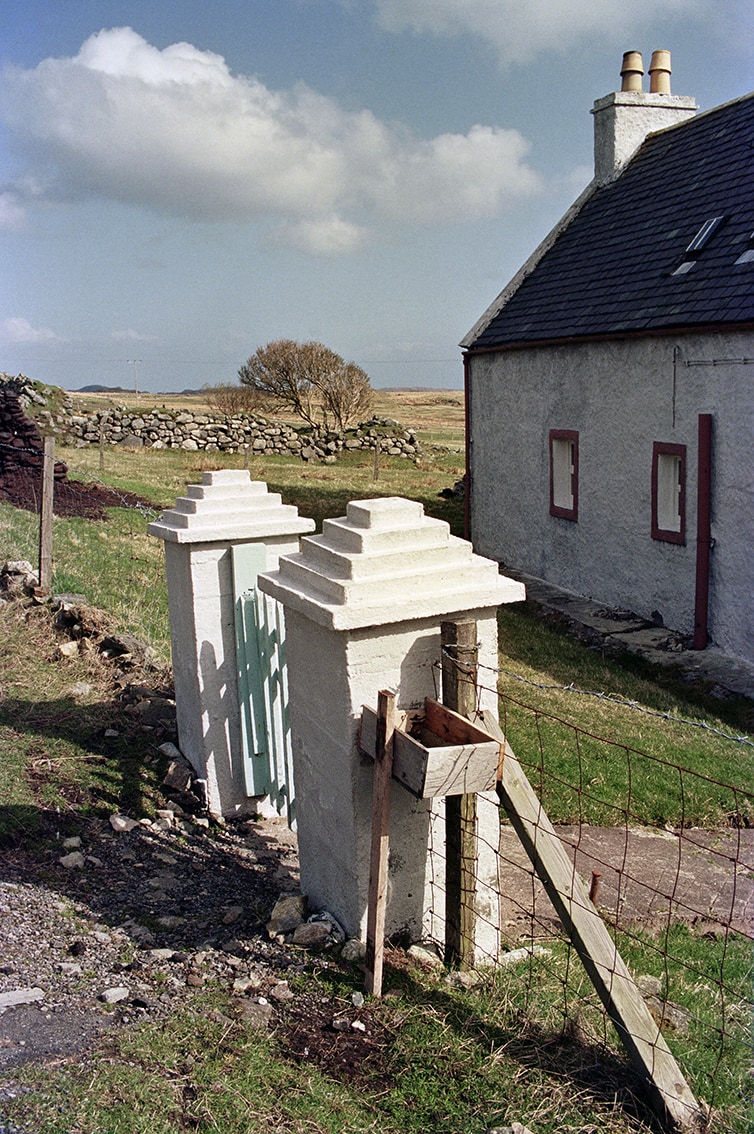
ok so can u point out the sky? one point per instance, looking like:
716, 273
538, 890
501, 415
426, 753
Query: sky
182, 182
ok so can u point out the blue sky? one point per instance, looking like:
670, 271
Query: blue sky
182, 182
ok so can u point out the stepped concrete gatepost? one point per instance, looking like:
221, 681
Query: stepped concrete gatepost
364, 602
225, 511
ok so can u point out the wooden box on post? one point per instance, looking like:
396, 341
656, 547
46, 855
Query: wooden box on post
443, 754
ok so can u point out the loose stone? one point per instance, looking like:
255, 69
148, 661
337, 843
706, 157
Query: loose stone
114, 995
311, 934
122, 823
20, 996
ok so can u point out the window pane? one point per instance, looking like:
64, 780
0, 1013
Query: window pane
562, 473
669, 492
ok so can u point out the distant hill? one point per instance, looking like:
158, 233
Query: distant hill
95, 389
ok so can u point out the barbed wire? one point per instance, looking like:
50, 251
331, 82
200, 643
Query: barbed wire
612, 698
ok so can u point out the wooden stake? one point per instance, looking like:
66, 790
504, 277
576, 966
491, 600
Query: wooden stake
670, 1093
459, 662
45, 519
383, 770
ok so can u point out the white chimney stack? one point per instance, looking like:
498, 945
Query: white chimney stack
623, 119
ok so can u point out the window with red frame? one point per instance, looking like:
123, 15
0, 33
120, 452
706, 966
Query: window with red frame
669, 492
564, 473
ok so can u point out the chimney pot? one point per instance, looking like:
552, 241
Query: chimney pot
624, 118
631, 71
659, 73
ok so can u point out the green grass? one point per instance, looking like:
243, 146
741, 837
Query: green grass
517, 1049
114, 563
596, 761
57, 763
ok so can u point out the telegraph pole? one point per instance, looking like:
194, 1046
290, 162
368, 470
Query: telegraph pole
135, 362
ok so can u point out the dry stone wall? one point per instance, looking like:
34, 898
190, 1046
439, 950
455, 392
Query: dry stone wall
163, 429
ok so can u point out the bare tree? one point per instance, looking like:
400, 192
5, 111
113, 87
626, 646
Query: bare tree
229, 399
310, 379
347, 395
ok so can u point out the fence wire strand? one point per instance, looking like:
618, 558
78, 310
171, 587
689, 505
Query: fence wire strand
113, 562
677, 896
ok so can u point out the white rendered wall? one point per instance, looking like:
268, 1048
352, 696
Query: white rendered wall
623, 119
364, 603
203, 644
621, 397
227, 509
332, 675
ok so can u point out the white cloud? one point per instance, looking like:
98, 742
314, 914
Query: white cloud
519, 31
173, 130
331, 236
19, 330
12, 211
130, 336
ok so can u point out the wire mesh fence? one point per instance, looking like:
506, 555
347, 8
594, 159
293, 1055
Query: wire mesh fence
100, 546
666, 854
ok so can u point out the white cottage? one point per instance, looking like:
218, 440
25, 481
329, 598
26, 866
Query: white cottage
610, 385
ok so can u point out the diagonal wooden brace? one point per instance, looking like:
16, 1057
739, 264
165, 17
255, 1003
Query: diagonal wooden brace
669, 1092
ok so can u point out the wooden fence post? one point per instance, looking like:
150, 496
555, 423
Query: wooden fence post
459, 674
45, 518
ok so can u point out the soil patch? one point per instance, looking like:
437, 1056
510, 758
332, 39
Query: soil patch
347, 1043
72, 497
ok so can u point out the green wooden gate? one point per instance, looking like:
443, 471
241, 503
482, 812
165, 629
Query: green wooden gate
262, 685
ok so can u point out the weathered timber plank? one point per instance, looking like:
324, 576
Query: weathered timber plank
666, 1085
427, 767
451, 727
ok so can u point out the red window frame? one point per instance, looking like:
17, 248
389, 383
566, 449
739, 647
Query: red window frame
669, 535
571, 513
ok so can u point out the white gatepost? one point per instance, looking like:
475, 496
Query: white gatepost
227, 511
363, 606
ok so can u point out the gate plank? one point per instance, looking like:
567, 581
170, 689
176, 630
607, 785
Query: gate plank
248, 560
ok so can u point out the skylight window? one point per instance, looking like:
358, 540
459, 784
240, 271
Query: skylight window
697, 245
748, 255
703, 235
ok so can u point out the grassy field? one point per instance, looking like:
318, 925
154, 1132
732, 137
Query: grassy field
529, 1046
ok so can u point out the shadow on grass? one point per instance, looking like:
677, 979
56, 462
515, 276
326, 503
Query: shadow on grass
320, 502
497, 1054
62, 758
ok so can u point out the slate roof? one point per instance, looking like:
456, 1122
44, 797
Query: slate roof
611, 270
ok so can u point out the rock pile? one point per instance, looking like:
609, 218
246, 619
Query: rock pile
20, 440
164, 429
